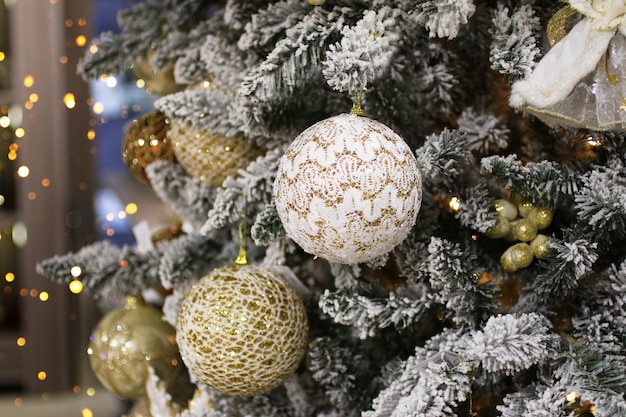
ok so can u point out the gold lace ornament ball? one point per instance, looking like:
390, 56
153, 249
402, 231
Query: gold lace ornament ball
145, 141
210, 157
241, 330
348, 189
126, 341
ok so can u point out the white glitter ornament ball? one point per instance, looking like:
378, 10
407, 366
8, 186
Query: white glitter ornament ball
348, 189
241, 330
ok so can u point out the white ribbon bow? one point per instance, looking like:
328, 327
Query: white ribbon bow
574, 57
605, 14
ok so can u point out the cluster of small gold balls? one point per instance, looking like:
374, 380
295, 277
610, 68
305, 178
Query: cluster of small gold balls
520, 220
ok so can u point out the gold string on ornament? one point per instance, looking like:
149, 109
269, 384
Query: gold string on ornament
242, 258
356, 104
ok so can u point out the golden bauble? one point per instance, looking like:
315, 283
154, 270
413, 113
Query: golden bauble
505, 209
499, 230
540, 246
126, 341
210, 157
160, 83
525, 230
145, 141
241, 330
541, 217
516, 257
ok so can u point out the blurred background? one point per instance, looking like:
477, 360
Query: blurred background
62, 184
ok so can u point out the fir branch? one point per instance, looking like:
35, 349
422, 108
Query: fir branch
515, 45
188, 196
572, 259
601, 314
108, 273
600, 203
144, 25
512, 343
399, 387
370, 312
115, 55
341, 372
442, 158
442, 18
363, 53
269, 25
597, 376
437, 82
245, 195
547, 183
203, 108
346, 276
475, 212
295, 57
543, 401
185, 49
267, 227
190, 257
454, 278
484, 131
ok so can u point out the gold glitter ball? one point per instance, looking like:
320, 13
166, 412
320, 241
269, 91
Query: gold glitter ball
525, 230
242, 331
126, 341
145, 141
505, 209
541, 217
348, 189
208, 157
499, 230
524, 208
516, 257
540, 246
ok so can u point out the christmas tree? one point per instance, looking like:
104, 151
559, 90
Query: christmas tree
389, 208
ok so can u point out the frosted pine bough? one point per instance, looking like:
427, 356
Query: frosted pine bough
348, 189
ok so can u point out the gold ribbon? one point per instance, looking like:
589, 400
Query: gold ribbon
557, 25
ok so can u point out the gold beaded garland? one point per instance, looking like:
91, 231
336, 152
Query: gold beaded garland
241, 330
505, 209
126, 341
517, 257
501, 229
525, 230
510, 226
524, 208
540, 246
541, 217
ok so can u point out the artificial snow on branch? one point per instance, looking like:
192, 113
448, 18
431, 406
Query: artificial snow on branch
363, 53
443, 18
514, 49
